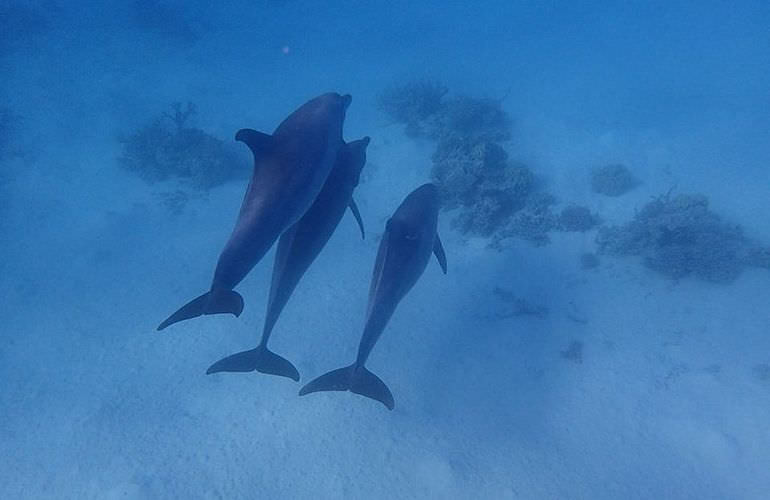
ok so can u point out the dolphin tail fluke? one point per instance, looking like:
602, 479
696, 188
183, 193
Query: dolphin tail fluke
217, 302
224, 301
192, 309
260, 359
356, 379
273, 364
368, 384
335, 380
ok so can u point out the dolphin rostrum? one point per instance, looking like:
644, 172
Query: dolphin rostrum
409, 239
290, 168
297, 249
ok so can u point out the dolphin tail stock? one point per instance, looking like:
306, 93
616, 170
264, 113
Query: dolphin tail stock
260, 359
212, 302
354, 378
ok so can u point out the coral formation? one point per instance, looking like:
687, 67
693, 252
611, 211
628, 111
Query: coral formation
589, 261
421, 106
412, 104
478, 178
532, 223
758, 256
577, 219
472, 118
174, 201
679, 236
490, 193
462, 168
169, 148
613, 180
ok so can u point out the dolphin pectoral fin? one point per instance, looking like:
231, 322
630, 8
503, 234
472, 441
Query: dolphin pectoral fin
357, 215
216, 302
438, 250
356, 379
258, 142
259, 359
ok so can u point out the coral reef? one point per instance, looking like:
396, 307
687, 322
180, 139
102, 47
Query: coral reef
421, 106
532, 223
758, 256
478, 178
489, 192
588, 261
613, 180
174, 201
679, 236
463, 168
412, 104
168, 147
472, 118
575, 218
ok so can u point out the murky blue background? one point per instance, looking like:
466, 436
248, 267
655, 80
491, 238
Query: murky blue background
670, 398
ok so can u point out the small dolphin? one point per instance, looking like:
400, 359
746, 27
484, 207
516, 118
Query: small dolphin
297, 249
410, 237
290, 168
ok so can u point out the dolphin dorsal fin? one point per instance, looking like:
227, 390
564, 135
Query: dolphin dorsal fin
357, 215
438, 250
258, 142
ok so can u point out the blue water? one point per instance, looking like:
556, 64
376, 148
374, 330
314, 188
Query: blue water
667, 395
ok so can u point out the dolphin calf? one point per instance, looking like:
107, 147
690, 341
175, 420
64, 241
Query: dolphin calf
409, 239
297, 249
290, 168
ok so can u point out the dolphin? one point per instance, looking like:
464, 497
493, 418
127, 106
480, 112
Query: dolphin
297, 249
409, 239
290, 168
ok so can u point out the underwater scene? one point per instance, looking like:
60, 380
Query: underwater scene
281, 249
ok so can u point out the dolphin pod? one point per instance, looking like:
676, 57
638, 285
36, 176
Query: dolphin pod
297, 249
410, 238
303, 182
290, 168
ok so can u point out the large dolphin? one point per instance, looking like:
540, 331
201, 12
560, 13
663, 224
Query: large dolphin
410, 237
297, 249
290, 168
